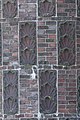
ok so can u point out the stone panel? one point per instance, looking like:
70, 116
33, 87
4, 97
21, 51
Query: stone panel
46, 8
66, 43
10, 87
9, 8
48, 91
28, 52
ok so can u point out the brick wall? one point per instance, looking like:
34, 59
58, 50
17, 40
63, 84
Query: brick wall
39, 60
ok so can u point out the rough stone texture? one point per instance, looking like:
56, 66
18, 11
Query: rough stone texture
66, 8
10, 44
27, 12
47, 42
28, 94
67, 93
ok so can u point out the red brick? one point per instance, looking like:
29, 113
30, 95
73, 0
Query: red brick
62, 106
61, 80
41, 23
61, 89
72, 102
28, 115
41, 40
72, 110
69, 98
52, 36
61, 97
41, 49
20, 115
72, 85
63, 110
78, 40
52, 44
71, 106
72, 93
70, 89
52, 60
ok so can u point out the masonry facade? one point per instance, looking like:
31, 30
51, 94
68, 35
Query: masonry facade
39, 60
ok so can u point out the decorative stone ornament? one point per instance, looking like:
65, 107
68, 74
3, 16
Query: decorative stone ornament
48, 92
28, 44
46, 9
9, 10
10, 82
66, 43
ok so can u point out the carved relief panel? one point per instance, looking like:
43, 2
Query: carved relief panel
10, 9
66, 43
48, 91
78, 7
10, 83
28, 43
46, 8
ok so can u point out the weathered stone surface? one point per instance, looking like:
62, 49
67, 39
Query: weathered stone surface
10, 44
10, 9
30, 45
46, 8
27, 12
28, 54
66, 43
28, 94
48, 91
10, 87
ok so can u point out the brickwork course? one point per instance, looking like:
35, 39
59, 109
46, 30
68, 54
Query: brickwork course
39, 59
